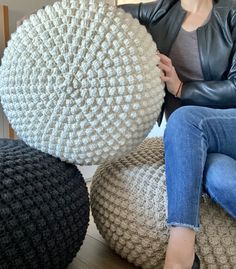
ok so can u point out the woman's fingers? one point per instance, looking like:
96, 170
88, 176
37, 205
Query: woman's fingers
166, 68
19, 22
166, 60
169, 75
164, 78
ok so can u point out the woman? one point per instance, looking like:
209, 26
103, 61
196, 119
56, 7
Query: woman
196, 45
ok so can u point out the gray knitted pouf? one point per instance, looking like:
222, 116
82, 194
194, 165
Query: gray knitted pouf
79, 81
128, 201
44, 209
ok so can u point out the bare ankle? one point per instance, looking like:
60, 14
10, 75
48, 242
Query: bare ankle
180, 251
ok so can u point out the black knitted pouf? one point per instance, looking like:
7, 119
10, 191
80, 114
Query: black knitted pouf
44, 209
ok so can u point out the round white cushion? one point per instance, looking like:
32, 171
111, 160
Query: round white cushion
128, 201
79, 81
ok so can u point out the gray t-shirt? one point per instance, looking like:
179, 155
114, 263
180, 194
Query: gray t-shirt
185, 58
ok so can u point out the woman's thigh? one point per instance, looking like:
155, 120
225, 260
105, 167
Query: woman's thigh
216, 128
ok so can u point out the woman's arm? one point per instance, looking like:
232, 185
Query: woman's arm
20, 21
216, 94
144, 12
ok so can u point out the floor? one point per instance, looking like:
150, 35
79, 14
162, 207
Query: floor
96, 254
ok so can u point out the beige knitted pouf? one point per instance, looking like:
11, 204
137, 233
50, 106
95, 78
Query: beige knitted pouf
128, 200
79, 81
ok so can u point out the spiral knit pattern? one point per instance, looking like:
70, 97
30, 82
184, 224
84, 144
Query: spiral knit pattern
79, 81
128, 201
44, 209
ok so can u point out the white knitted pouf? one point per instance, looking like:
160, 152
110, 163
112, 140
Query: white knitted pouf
79, 81
128, 200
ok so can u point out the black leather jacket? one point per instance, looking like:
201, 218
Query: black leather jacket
216, 42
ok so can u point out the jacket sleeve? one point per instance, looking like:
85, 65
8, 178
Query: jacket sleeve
144, 12
215, 94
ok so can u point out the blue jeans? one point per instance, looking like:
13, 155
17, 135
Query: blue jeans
200, 153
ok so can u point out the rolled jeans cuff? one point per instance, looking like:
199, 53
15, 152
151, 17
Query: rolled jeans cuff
176, 224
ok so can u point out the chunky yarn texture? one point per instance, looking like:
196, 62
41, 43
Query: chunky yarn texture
79, 81
44, 209
128, 201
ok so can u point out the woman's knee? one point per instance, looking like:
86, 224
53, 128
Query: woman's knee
182, 121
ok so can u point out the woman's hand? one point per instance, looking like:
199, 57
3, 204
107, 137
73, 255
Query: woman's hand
169, 75
19, 22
